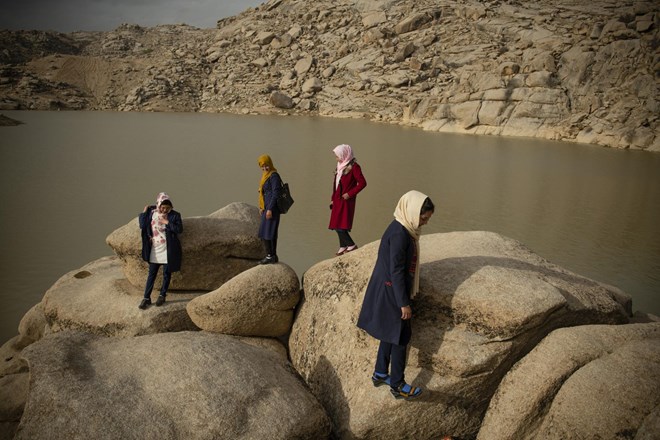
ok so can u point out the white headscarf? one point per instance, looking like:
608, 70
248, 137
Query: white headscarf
345, 154
407, 212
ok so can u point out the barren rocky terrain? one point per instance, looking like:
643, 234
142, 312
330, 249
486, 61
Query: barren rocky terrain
506, 346
568, 69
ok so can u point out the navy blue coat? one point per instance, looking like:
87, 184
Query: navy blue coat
172, 229
268, 227
389, 287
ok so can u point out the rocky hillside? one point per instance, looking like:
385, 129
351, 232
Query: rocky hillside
567, 69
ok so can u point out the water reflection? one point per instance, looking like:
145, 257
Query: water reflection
68, 179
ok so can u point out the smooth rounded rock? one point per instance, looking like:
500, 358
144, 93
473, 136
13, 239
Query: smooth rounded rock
257, 302
484, 301
215, 248
185, 385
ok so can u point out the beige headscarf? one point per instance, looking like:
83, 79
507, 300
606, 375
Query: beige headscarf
407, 213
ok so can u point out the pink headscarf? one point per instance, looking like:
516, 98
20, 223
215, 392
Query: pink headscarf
161, 197
345, 154
158, 229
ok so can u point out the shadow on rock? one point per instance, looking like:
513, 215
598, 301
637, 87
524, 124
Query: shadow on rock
324, 376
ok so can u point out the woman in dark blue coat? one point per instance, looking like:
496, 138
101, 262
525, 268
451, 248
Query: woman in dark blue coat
386, 310
269, 190
160, 225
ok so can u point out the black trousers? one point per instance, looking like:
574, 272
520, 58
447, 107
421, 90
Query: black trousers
392, 358
270, 246
151, 279
345, 239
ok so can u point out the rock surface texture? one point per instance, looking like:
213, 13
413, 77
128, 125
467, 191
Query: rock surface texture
484, 302
215, 248
198, 386
567, 69
98, 299
555, 349
582, 382
14, 384
257, 302
13, 394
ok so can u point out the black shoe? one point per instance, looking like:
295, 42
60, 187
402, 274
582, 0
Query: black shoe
160, 301
270, 259
144, 304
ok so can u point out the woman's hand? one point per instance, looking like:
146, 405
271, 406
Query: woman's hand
345, 196
406, 312
269, 214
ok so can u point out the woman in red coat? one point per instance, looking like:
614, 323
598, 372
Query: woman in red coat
347, 183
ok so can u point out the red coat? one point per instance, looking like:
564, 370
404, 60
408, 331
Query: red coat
343, 210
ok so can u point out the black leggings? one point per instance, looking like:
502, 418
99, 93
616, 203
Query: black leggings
345, 239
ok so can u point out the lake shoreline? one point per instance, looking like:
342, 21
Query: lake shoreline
564, 201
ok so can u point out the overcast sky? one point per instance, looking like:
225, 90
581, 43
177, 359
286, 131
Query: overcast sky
105, 15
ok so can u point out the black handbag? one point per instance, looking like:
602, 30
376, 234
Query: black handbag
284, 200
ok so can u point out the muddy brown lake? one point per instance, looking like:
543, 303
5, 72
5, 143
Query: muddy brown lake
68, 179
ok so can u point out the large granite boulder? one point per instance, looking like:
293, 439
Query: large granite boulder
33, 325
98, 299
484, 302
215, 248
14, 379
582, 382
13, 394
257, 302
185, 385
11, 361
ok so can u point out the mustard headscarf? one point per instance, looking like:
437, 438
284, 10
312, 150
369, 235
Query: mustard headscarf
264, 160
407, 213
